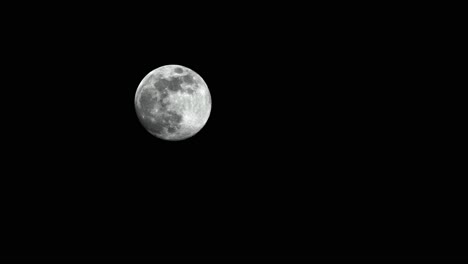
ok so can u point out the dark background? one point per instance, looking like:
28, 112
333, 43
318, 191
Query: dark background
328, 135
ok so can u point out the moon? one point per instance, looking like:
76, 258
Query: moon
173, 102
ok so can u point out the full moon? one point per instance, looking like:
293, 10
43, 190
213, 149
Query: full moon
173, 102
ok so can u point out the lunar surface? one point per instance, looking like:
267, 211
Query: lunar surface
173, 102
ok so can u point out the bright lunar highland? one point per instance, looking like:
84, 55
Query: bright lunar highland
173, 102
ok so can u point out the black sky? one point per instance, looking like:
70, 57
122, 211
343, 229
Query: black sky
316, 145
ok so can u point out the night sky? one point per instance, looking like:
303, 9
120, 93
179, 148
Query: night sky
322, 141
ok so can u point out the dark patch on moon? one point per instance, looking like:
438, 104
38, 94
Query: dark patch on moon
170, 120
173, 84
147, 102
188, 79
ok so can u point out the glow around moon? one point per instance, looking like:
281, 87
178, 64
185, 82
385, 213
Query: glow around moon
173, 102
